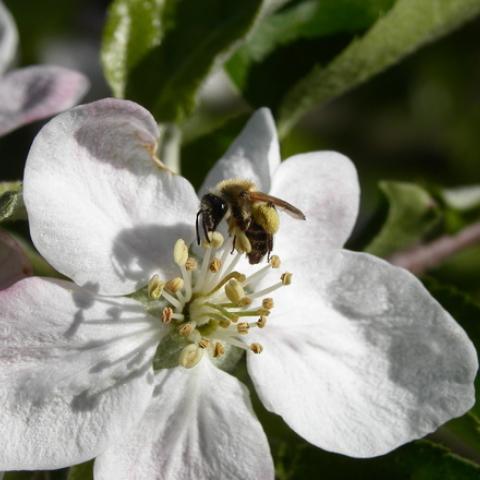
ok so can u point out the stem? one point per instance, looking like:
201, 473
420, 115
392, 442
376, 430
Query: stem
425, 257
169, 149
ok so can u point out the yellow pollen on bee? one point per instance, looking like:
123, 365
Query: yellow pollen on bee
174, 285
155, 287
266, 216
256, 348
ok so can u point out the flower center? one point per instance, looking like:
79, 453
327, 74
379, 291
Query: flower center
211, 307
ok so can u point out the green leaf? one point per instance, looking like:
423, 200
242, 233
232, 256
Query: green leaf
11, 202
84, 471
132, 29
167, 72
416, 461
253, 66
412, 214
406, 27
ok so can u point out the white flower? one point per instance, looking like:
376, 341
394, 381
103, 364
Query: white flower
357, 357
32, 93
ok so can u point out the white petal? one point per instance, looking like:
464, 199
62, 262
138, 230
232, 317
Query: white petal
33, 93
324, 185
200, 425
75, 372
100, 209
254, 155
8, 38
359, 358
14, 264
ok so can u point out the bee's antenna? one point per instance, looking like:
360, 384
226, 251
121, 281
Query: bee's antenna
196, 226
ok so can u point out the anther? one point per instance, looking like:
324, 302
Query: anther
234, 291
262, 321
190, 356
180, 252
215, 265
155, 287
186, 329
167, 314
204, 343
242, 243
275, 261
245, 302
218, 350
256, 348
191, 264
174, 285
215, 240
224, 323
286, 278
267, 303
242, 328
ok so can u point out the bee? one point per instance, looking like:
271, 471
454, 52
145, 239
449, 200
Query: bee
251, 216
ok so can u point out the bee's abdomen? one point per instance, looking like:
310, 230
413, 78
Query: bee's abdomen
260, 240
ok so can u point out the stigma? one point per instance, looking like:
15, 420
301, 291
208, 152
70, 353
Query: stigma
211, 305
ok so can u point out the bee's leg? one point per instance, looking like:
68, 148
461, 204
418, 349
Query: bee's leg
269, 246
197, 229
205, 230
233, 244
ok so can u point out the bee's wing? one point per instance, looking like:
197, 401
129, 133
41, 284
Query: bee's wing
278, 202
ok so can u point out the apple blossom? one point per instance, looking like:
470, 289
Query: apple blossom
35, 92
353, 353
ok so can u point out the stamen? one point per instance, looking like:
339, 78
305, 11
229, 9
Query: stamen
267, 303
262, 321
167, 315
215, 240
218, 350
275, 261
215, 265
243, 328
204, 343
190, 356
155, 287
191, 264
256, 348
180, 252
186, 329
286, 278
171, 299
174, 285
234, 291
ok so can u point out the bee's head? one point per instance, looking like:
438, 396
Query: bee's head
212, 209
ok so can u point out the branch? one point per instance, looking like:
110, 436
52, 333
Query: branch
424, 257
